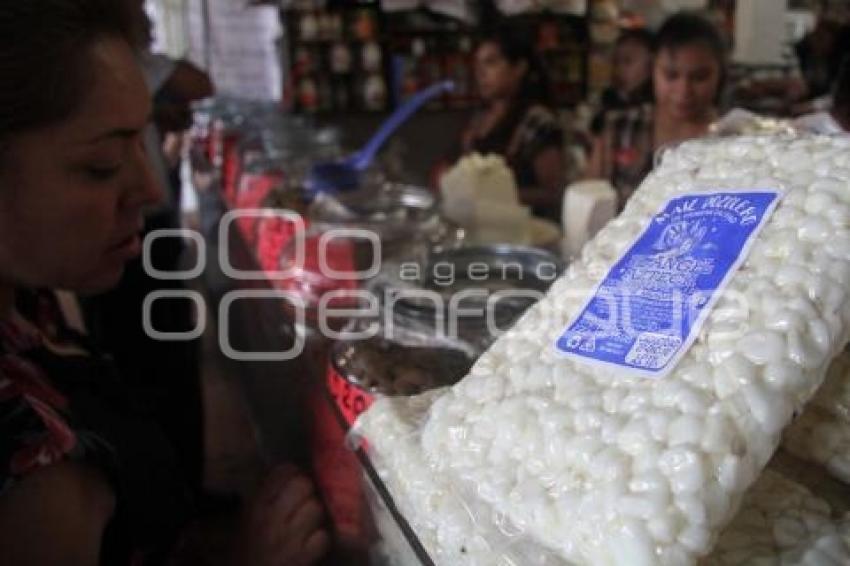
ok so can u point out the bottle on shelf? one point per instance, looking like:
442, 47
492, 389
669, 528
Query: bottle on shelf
308, 26
364, 27
340, 58
371, 57
374, 93
431, 70
308, 96
409, 69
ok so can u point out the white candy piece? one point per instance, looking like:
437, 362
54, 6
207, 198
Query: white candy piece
637, 470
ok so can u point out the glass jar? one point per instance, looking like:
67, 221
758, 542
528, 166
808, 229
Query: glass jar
403, 360
392, 220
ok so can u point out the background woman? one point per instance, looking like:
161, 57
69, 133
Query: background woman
631, 76
515, 121
688, 73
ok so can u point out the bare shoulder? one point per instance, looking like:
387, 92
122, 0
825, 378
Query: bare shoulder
56, 515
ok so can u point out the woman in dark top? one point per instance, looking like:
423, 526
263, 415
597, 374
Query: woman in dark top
515, 121
688, 73
86, 476
631, 76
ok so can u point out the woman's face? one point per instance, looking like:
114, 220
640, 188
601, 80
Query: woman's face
686, 81
72, 194
632, 65
496, 77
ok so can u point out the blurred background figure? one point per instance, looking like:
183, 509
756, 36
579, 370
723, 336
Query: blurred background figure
631, 82
836, 120
688, 74
516, 121
175, 85
819, 55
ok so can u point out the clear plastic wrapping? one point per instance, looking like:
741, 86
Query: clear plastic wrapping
821, 434
534, 459
781, 522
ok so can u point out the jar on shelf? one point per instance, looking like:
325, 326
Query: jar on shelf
307, 95
371, 57
341, 58
308, 26
304, 62
289, 145
364, 27
261, 176
374, 93
430, 68
325, 23
351, 234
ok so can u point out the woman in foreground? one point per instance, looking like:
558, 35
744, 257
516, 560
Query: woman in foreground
86, 477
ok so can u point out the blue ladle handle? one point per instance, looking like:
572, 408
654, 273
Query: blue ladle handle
364, 157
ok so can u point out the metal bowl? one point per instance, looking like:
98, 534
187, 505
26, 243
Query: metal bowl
377, 207
498, 281
399, 215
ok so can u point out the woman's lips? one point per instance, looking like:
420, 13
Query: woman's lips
127, 248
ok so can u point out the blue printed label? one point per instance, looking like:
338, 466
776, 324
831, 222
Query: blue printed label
647, 311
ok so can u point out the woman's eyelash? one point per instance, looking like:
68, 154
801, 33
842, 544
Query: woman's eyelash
102, 173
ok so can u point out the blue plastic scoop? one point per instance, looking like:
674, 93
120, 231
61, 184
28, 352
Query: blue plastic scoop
345, 175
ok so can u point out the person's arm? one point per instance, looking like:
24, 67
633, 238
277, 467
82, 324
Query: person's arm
56, 515
549, 165
594, 169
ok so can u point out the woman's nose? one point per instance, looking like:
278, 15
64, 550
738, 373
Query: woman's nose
681, 87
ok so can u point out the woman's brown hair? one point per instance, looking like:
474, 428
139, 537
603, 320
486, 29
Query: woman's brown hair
689, 28
43, 57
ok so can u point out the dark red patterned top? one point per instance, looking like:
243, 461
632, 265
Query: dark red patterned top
62, 400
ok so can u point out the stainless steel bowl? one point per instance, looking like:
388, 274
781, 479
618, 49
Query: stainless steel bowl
402, 216
381, 207
498, 281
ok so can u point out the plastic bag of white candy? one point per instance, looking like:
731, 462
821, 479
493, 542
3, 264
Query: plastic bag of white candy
821, 434
780, 523
538, 459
